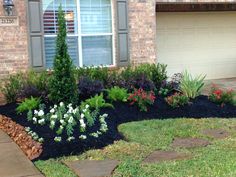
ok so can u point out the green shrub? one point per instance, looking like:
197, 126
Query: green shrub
38, 79
191, 86
117, 94
62, 84
28, 104
97, 102
222, 97
155, 72
94, 73
12, 86
177, 100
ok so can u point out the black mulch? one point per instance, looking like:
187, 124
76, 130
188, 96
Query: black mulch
201, 107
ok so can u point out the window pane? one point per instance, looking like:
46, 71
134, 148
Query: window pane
95, 16
97, 50
50, 50
50, 13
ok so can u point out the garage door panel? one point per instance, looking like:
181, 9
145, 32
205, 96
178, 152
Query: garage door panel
200, 42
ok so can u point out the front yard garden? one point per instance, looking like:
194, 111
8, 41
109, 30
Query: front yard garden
67, 111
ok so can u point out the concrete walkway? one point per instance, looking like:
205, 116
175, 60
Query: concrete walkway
13, 162
221, 83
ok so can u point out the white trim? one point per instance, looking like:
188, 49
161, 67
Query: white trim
80, 35
98, 34
113, 33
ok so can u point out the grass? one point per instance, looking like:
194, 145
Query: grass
215, 160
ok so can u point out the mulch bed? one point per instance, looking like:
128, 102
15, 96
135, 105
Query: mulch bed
31, 148
201, 107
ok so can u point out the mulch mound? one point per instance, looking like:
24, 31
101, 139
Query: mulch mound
216, 133
31, 148
160, 156
200, 107
189, 142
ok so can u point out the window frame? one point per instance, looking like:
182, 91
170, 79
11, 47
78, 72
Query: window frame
79, 36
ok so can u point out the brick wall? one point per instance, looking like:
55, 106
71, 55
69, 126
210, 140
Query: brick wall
142, 27
13, 43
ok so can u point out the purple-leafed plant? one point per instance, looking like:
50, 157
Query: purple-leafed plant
89, 88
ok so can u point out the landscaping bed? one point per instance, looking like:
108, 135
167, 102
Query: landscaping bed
201, 107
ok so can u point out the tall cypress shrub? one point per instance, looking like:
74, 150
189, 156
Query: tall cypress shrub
62, 84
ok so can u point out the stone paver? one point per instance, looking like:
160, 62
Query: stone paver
160, 156
93, 168
222, 83
216, 133
190, 142
13, 162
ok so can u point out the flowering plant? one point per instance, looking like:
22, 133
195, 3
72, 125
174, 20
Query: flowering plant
64, 119
177, 100
221, 96
142, 99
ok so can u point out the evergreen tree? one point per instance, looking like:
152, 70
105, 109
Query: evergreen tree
62, 85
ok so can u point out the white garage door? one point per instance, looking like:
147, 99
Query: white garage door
202, 42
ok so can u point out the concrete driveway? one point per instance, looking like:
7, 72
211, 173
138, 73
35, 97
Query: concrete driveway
229, 83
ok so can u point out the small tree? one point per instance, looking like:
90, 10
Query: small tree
62, 84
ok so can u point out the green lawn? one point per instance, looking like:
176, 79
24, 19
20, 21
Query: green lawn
216, 160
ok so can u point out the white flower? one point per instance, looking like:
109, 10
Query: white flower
35, 112
105, 115
55, 106
83, 137
61, 127
27, 129
69, 105
71, 120
87, 106
61, 104
34, 119
82, 116
52, 123
82, 124
40, 113
54, 116
70, 138
65, 116
62, 121
41, 140
52, 110
57, 139
94, 135
41, 121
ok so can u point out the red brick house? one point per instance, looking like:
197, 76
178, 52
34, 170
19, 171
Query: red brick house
196, 35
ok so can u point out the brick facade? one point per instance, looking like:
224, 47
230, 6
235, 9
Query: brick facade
142, 28
13, 43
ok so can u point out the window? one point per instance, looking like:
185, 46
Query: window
89, 27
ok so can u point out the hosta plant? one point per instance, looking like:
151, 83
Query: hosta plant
221, 96
191, 86
63, 119
177, 100
142, 99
